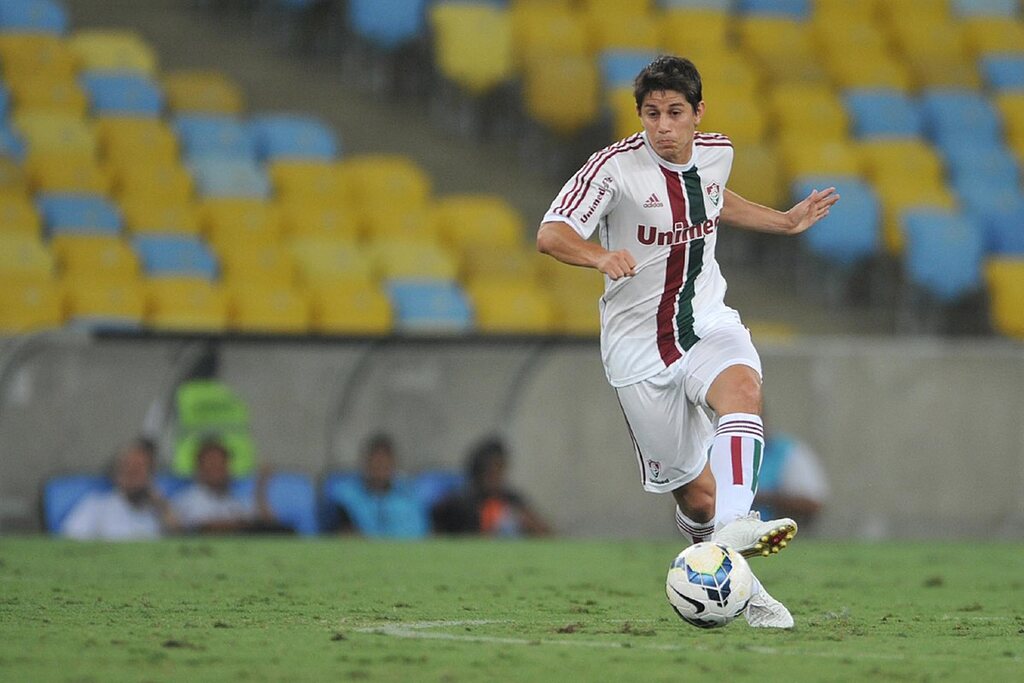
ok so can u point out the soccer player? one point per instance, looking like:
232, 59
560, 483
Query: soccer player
683, 366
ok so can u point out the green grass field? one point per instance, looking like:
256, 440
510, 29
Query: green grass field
284, 609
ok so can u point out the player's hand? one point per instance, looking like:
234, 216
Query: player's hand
811, 210
617, 264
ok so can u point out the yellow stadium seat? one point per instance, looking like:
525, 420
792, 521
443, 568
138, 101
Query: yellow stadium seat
693, 31
783, 47
909, 195
727, 77
575, 315
159, 182
836, 37
113, 50
185, 304
36, 55
916, 11
129, 142
400, 224
1017, 146
60, 133
574, 293
511, 307
256, 264
18, 216
890, 160
473, 44
806, 156
378, 181
541, 29
562, 92
117, 302
867, 68
24, 257
29, 307
236, 221
922, 39
319, 222
268, 309
464, 220
144, 215
1006, 295
741, 117
52, 172
355, 310
621, 27
481, 261
640, 6
310, 182
1011, 106
809, 111
13, 181
408, 260
987, 35
625, 121
844, 12
757, 175
57, 96
943, 72
95, 259
331, 262
207, 92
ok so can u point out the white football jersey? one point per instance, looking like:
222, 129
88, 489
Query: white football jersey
667, 216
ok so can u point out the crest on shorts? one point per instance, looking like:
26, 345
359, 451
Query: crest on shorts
714, 192
655, 467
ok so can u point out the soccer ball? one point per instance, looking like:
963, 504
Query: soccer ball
709, 585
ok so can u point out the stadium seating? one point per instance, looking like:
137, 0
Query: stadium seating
92, 259
185, 304
1004, 229
944, 253
175, 255
122, 94
291, 136
510, 307
883, 113
224, 177
118, 305
429, 306
202, 92
112, 50
74, 212
290, 496
472, 44
852, 231
267, 308
387, 24
360, 309
214, 135
33, 16
1005, 278
29, 305
61, 494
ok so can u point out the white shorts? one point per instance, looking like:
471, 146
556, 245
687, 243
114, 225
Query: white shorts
667, 415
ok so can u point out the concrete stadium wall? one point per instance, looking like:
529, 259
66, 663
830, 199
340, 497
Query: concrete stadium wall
919, 438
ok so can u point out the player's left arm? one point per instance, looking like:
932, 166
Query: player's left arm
743, 213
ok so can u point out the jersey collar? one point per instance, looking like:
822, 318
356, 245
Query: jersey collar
678, 168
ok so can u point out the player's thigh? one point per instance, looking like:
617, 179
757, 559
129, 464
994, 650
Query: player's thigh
713, 354
668, 431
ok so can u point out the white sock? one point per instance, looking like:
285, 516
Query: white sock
695, 531
735, 462
757, 586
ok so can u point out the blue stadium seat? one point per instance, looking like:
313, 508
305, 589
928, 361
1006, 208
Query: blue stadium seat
169, 484
1004, 229
213, 135
388, 24
963, 115
981, 198
33, 16
292, 136
796, 9
620, 67
1004, 71
884, 113
984, 8
943, 253
429, 306
230, 177
991, 163
852, 230
5, 102
291, 498
122, 94
11, 144
61, 494
172, 255
430, 486
78, 213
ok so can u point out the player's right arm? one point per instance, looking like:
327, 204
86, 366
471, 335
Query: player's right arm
561, 241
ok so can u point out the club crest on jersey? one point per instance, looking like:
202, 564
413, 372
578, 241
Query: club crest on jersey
655, 467
714, 192
653, 202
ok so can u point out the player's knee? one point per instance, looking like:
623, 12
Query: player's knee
700, 505
748, 396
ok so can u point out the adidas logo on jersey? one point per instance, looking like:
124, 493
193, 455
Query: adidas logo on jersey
653, 202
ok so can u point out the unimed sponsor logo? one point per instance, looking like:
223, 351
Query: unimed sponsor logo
602, 190
680, 234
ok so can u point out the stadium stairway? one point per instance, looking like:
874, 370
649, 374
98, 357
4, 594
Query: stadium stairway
275, 79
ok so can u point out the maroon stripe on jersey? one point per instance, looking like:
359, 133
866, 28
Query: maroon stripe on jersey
737, 460
702, 143
675, 271
575, 197
582, 173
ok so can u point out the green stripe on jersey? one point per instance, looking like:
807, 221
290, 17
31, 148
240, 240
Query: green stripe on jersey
695, 261
757, 464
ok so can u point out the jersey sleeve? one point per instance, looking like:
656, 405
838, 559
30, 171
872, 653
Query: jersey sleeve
587, 197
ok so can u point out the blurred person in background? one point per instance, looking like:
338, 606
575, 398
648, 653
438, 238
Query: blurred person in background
208, 504
488, 506
792, 481
132, 511
378, 503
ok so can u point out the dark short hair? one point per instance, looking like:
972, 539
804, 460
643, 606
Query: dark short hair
212, 444
482, 454
379, 442
669, 72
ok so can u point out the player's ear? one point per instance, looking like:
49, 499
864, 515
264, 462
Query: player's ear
698, 113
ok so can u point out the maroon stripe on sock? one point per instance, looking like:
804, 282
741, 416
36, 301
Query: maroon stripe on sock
740, 432
737, 460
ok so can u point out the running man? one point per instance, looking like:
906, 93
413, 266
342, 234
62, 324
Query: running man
682, 364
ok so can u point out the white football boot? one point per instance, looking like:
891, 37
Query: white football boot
764, 611
751, 537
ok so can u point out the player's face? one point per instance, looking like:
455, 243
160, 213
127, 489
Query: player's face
670, 122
